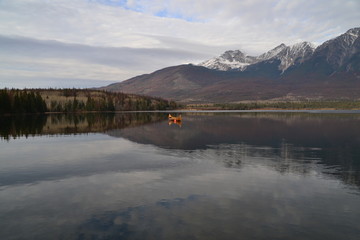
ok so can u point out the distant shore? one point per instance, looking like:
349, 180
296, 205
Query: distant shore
279, 105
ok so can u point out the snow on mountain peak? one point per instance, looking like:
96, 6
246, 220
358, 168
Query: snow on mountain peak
303, 45
351, 35
232, 59
272, 53
354, 32
293, 54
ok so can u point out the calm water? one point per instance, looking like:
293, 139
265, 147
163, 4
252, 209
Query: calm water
217, 176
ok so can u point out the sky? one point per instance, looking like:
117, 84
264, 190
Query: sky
92, 43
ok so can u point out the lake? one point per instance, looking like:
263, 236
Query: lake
215, 175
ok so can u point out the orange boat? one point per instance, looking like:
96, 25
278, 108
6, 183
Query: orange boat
175, 119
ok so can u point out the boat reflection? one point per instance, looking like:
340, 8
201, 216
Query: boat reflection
179, 123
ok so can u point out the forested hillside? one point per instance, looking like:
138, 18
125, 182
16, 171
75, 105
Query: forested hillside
14, 101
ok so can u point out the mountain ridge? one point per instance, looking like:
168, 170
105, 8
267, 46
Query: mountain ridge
239, 61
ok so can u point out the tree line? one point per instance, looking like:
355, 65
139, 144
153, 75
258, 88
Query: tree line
17, 101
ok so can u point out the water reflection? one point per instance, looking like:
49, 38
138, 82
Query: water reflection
329, 140
178, 123
184, 218
23, 125
294, 142
219, 176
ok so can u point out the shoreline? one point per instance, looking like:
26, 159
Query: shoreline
185, 110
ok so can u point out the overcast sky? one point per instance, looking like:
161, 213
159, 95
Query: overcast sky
90, 43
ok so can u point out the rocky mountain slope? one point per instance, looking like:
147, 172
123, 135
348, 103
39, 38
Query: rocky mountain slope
239, 61
340, 54
300, 71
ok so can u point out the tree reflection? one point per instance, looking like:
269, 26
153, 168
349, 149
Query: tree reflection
53, 124
22, 125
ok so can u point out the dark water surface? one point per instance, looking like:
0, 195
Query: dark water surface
217, 176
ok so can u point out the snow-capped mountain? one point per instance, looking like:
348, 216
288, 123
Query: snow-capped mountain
294, 54
237, 60
229, 60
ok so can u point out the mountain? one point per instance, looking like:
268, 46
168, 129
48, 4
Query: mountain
294, 54
341, 54
299, 71
230, 60
177, 82
237, 60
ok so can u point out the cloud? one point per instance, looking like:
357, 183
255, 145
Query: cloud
30, 58
136, 36
112, 56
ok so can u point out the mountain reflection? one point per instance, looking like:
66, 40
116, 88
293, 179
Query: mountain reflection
295, 142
